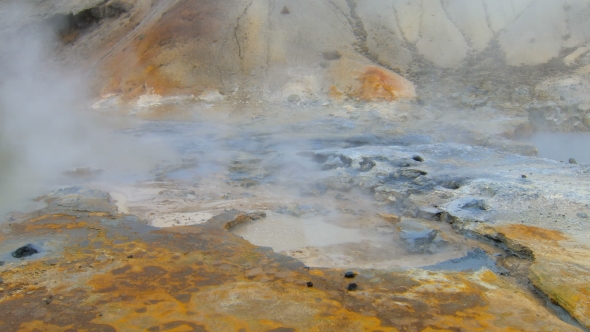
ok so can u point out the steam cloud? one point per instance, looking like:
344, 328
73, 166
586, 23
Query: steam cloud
45, 128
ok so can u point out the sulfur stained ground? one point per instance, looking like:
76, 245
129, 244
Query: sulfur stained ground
102, 271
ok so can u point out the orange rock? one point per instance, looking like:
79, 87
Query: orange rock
526, 233
335, 93
358, 80
392, 218
380, 84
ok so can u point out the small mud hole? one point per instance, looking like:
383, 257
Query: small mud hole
319, 202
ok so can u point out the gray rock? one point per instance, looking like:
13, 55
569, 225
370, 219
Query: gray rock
419, 237
332, 55
340, 182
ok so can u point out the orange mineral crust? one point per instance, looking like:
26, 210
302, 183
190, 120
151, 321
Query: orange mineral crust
169, 52
378, 84
110, 272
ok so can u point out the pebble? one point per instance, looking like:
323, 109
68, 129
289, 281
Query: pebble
349, 274
309, 284
352, 286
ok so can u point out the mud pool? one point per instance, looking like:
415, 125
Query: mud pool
311, 215
563, 146
341, 198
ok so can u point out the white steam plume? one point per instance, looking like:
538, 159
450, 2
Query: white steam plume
45, 128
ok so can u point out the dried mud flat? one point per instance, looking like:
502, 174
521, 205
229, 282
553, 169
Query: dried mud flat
439, 236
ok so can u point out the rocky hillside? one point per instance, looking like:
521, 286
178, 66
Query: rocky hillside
252, 49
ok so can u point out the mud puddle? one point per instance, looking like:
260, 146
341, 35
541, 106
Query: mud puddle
316, 211
563, 146
312, 213
346, 241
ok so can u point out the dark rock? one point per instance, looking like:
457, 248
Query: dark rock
285, 11
349, 274
352, 286
582, 215
1, 263
309, 284
130, 256
572, 161
24, 251
418, 158
294, 98
332, 55
523, 176
183, 298
451, 184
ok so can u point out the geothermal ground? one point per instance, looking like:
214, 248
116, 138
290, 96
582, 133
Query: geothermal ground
255, 220
311, 166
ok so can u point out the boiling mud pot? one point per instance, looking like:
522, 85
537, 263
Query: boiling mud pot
321, 222
563, 146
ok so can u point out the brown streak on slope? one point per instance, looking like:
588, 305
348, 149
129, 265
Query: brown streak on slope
141, 67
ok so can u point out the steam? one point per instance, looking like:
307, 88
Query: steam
45, 127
